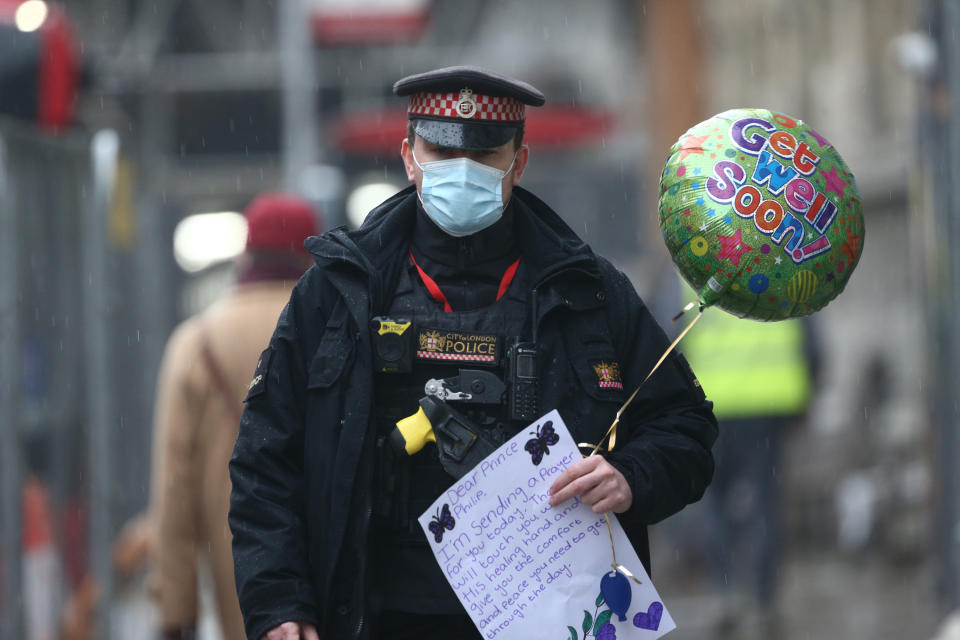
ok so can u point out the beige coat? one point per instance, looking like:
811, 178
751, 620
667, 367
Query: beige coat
194, 433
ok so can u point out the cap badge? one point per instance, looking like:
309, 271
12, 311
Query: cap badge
467, 106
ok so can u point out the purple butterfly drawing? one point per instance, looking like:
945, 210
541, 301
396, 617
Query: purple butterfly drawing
537, 446
442, 520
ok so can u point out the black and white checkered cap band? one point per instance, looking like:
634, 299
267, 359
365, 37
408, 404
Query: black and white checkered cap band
488, 108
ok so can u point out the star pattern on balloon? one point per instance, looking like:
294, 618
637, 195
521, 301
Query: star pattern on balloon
691, 144
732, 248
834, 182
852, 246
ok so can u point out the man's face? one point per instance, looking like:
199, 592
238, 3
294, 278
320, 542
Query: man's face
497, 157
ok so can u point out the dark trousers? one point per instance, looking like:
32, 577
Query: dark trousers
743, 500
401, 625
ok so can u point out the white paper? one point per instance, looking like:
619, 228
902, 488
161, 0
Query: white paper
525, 570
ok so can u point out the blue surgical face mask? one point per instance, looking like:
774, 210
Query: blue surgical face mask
462, 196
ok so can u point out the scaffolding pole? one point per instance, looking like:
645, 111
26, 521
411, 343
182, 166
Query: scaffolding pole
103, 151
11, 614
944, 159
299, 92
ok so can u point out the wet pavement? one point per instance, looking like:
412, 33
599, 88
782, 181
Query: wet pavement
822, 595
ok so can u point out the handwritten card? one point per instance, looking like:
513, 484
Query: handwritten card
525, 570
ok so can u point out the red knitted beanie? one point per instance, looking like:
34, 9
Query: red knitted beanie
279, 222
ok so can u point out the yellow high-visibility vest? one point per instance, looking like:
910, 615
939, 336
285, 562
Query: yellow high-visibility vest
749, 368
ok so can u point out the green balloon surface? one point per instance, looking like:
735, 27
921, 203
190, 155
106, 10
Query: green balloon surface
760, 214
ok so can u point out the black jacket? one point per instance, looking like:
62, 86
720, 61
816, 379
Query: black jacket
302, 465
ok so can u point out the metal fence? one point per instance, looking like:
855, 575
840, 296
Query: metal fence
77, 372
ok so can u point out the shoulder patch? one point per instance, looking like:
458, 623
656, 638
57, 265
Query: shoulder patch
608, 374
259, 383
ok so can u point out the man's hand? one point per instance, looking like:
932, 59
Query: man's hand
292, 631
597, 482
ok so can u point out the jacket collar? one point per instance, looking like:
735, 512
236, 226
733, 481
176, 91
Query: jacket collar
377, 249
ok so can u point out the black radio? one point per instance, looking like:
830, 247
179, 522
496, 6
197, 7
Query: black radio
393, 344
522, 372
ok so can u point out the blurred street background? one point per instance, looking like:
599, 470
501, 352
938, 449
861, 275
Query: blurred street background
132, 131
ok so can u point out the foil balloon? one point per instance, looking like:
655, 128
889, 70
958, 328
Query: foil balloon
760, 214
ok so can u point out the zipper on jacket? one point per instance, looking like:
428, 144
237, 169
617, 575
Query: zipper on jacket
464, 253
362, 567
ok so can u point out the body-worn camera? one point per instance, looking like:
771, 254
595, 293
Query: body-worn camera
393, 344
522, 373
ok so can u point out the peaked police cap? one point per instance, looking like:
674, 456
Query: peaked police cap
467, 107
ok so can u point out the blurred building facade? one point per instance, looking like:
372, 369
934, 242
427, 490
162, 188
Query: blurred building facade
861, 479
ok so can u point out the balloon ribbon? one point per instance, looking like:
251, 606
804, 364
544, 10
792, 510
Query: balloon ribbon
611, 434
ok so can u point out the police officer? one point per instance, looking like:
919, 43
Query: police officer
463, 277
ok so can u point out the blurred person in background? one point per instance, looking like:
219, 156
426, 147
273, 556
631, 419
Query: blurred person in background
760, 377
41, 565
326, 539
202, 381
